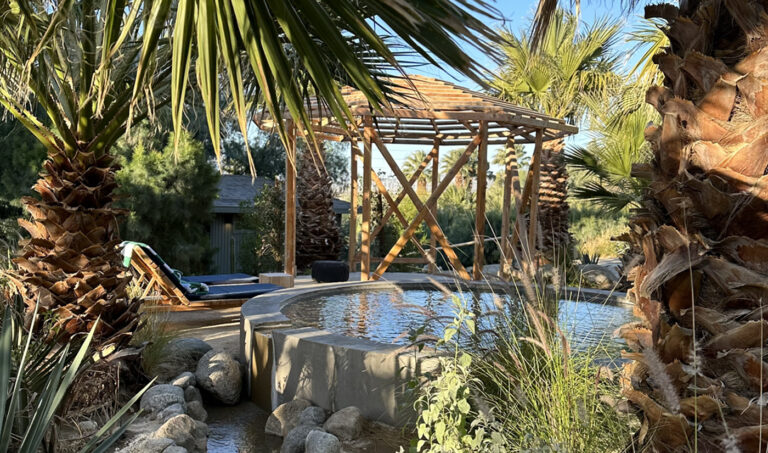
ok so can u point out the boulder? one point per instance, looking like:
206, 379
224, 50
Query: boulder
175, 449
285, 417
294, 441
321, 442
191, 393
600, 277
313, 415
196, 410
170, 412
184, 380
147, 444
346, 424
161, 396
186, 432
179, 355
218, 373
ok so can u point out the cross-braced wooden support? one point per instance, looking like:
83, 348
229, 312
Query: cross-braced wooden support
428, 112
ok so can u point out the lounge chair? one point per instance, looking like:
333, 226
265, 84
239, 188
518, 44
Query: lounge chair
158, 282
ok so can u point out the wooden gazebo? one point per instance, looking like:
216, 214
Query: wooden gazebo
427, 111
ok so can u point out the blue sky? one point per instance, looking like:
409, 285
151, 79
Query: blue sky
516, 16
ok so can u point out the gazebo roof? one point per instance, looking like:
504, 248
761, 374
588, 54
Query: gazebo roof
424, 109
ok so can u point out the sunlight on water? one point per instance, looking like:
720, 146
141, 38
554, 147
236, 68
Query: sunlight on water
388, 316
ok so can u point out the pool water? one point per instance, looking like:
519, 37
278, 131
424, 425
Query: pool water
390, 316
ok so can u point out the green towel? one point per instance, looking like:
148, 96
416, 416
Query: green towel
191, 287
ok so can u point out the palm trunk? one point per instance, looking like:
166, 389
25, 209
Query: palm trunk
699, 373
553, 204
319, 236
71, 264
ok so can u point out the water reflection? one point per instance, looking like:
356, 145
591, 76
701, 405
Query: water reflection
388, 316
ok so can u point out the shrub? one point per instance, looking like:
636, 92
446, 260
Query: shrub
262, 249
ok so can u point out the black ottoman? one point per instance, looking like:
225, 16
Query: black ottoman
330, 271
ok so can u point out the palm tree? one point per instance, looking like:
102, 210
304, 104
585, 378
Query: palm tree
617, 143
94, 67
464, 177
319, 236
571, 62
699, 369
412, 164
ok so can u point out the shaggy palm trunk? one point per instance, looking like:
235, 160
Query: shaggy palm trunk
318, 236
553, 205
71, 264
699, 373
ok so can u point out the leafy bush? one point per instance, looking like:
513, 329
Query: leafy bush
170, 194
262, 250
593, 228
35, 377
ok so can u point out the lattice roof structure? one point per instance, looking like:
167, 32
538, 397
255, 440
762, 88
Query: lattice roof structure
423, 109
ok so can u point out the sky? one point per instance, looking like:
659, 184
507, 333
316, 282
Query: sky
516, 15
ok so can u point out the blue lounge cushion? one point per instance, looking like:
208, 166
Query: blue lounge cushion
221, 279
235, 291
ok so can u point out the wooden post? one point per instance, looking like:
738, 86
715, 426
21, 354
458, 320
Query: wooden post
365, 247
482, 171
435, 181
535, 174
289, 256
511, 182
353, 205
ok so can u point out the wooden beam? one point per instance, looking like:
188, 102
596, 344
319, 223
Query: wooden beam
423, 211
353, 204
435, 153
414, 177
403, 221
535, 174
365, 250
482, 172
289, 254
511, 183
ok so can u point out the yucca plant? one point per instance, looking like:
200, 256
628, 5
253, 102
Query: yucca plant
35, 377
93, 68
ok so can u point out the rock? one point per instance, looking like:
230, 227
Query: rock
170, 412
186, 432
313, 416
218, 373
196, 410
161, 396
179, 355
285, 417
175, 449
87, 427
321, 442
492, 269
146, 444
346, 424
184, 380
294, 441
598, 276
191, 393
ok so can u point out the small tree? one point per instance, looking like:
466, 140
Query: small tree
263, 249
170, 197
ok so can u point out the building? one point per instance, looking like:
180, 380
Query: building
226, 237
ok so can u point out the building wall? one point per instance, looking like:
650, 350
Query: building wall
222, 229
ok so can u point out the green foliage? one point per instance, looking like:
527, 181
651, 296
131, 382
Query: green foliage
618, 122
22, 156
547, 397
170, 197
265, 219
573, 60
592, 229
447, 422
35, 376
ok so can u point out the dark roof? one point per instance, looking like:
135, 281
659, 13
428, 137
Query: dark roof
235, 189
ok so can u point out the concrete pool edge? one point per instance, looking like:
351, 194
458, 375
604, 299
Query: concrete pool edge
334, 371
